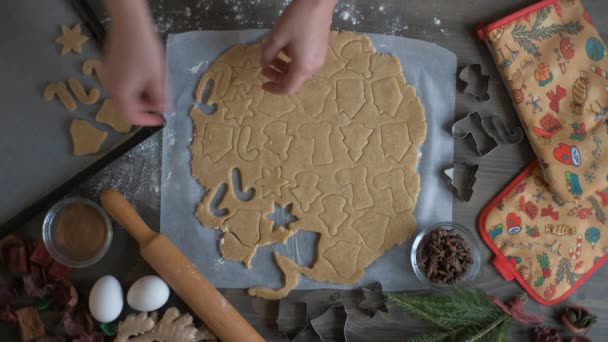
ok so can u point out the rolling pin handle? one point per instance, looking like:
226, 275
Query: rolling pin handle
121, 210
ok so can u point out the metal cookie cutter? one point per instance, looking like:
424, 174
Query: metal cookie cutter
472, 126
465, 191
475, 82
477, 129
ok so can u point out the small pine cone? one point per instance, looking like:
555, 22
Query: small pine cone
545, 334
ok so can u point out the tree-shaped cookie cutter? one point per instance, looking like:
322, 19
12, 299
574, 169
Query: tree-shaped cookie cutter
464, 192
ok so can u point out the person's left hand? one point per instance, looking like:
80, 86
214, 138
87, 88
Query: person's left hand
301, 33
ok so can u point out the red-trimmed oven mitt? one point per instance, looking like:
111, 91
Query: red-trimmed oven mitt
547, 227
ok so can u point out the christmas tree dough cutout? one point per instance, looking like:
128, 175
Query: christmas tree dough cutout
71, 39
341, 153
86, 138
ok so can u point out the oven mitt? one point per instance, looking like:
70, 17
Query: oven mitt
550, 247
548, 228
555, 65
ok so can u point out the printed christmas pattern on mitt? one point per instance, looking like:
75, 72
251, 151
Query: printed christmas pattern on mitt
554, 64
546, 244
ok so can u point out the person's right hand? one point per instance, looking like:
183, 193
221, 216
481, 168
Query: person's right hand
301, 33
134, 67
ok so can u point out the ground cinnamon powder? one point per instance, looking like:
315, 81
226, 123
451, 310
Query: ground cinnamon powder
79, 231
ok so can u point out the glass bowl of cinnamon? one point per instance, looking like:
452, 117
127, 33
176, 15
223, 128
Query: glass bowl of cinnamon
77, 232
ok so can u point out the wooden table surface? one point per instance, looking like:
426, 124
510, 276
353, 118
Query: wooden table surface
449, 24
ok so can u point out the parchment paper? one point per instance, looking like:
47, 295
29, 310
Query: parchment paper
431, 69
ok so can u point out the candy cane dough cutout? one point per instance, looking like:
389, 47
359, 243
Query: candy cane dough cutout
59, 90
81, 93
93, 65
579, 245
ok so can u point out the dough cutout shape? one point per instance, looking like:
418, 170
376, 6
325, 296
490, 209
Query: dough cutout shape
59, 90
71, 39
86, 138
341, 152
91, 66
109, 114
81, 94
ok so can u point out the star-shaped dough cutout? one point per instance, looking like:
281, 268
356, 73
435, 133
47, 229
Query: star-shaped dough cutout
238, 108
247, 76
71, 39
271, 182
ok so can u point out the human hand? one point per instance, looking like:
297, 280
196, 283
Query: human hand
301, 33
134, 72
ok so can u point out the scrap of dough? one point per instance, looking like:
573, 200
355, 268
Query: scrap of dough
71, 39
109, 114
86, 138
350, 178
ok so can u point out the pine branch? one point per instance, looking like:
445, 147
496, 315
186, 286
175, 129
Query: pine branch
485, 333
426, 313
466, 315
503, 330
462, 309
434, 336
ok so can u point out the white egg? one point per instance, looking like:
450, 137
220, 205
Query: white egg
106, 299
148, 293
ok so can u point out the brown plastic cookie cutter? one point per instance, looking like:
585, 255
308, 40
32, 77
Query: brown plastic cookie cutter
475, 82
477, 128
464, 190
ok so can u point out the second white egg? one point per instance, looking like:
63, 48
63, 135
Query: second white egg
148, 293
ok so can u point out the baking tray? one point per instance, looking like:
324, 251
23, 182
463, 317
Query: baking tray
37, 167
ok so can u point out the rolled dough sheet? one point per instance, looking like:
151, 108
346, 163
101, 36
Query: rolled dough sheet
342, 152
430, 68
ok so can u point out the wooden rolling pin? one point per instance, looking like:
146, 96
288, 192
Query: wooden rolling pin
183, 277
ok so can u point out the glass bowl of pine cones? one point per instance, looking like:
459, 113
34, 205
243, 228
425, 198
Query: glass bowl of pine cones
446, 254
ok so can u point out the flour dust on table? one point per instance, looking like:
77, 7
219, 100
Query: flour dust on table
339, 156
